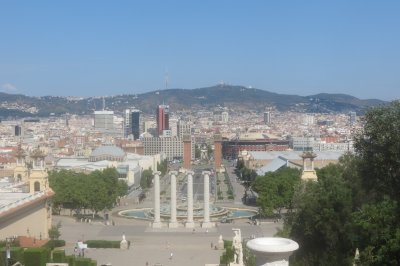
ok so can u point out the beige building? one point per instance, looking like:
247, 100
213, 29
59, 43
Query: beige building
24, 201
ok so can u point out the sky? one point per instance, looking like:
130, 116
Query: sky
104, 48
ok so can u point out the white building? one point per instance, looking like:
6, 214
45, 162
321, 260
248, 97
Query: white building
301, 143
171, 147
104, 120
224, 117
184, 127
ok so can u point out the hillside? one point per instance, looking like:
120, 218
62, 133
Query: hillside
233, 97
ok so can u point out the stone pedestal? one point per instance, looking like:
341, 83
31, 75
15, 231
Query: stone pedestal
124, 244
157, 220
272, 251
189, 222
206, 221
173, 222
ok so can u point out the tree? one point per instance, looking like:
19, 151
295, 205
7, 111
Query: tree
197, 151
378, 146
321, 222
377, 222
275, 190
378, 233
146, 179
97, 191
163, 167
54, 231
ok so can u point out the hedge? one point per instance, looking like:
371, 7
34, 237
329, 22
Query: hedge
83, 262
70, 260
56, 243
79, 261
104, 244
36, 256
59, 256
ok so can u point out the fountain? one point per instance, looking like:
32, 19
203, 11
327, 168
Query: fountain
217, 213
206, 213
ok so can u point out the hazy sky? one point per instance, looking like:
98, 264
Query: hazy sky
88, 48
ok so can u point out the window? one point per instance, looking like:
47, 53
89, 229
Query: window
36, 186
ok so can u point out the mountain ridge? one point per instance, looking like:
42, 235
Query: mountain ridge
234, 97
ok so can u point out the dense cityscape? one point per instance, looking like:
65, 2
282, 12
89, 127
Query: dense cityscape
199, 133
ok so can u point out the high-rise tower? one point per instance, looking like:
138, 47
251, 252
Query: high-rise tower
132, 123
162, 116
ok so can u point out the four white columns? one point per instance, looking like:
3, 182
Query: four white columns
173, 223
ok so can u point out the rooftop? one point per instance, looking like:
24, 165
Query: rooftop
108, 150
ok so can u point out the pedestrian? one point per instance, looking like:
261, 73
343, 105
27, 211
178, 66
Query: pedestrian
170, 257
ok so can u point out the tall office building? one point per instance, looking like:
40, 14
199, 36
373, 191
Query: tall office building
162, 116
224, 117
352, 118
267, 118
132, 123
104, 120
17, 131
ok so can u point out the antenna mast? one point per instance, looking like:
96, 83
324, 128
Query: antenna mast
166, 79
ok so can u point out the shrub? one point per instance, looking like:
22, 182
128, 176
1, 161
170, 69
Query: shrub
55, 243
54, 231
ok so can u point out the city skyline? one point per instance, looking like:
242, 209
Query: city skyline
89, 49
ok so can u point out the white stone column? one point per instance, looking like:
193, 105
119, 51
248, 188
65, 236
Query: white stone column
173, 222
206, 221
272, 251
189, 222
157, 220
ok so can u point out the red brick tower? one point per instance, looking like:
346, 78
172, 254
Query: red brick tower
187, 151
217, 151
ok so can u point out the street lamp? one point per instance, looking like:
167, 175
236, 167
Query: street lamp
8, 249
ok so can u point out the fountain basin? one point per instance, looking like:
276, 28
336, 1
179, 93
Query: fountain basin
217, 213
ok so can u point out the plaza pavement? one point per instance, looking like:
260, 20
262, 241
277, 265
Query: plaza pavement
155, 246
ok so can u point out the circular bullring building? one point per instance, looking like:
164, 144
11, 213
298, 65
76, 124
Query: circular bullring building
110, 153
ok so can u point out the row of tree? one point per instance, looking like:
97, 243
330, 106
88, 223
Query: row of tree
96, 191
353, 206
